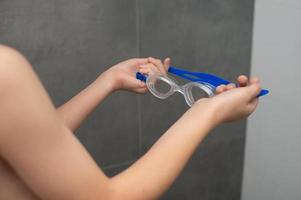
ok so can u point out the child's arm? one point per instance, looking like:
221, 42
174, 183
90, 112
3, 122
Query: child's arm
76, 110
54, 165
118, 77
152, 174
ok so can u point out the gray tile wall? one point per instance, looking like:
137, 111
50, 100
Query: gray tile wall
70, 42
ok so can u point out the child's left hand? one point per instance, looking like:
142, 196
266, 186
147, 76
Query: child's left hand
123, 75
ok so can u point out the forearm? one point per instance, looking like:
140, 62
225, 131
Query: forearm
76, 110
152, 174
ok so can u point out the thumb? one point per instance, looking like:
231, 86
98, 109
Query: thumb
253, 90
166, 63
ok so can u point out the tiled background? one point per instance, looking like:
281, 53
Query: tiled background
70, 42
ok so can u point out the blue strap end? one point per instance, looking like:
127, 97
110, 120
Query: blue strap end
263, 92
140, 77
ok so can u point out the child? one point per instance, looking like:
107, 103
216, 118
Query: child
40, 158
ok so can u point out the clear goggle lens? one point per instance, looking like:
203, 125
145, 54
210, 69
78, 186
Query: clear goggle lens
162, 86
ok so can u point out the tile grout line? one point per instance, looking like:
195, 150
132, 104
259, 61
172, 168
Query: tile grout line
138, 97
246, 121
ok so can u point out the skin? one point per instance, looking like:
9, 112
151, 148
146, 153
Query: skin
40, 158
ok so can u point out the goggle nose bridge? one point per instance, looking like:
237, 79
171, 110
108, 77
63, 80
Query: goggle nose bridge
185, 90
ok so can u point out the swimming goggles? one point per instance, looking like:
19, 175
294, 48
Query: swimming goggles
205, 84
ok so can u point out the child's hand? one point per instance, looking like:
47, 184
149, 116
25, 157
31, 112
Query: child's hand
155, 66
123, 75
231, 103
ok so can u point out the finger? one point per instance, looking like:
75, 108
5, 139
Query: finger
220, 89
148, 70
151, 68
142, 84
141, 90
253, 90
140, 61
166, 64
158, 63
242, 80
230, 86
223, 88
136, 62
254, 80
144, 70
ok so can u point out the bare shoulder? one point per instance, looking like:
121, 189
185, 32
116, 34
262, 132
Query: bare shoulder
13, 65
9, 52
10, 58
4, 48
14, 79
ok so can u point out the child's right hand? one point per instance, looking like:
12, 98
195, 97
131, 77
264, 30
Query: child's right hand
233, 103
230, 104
